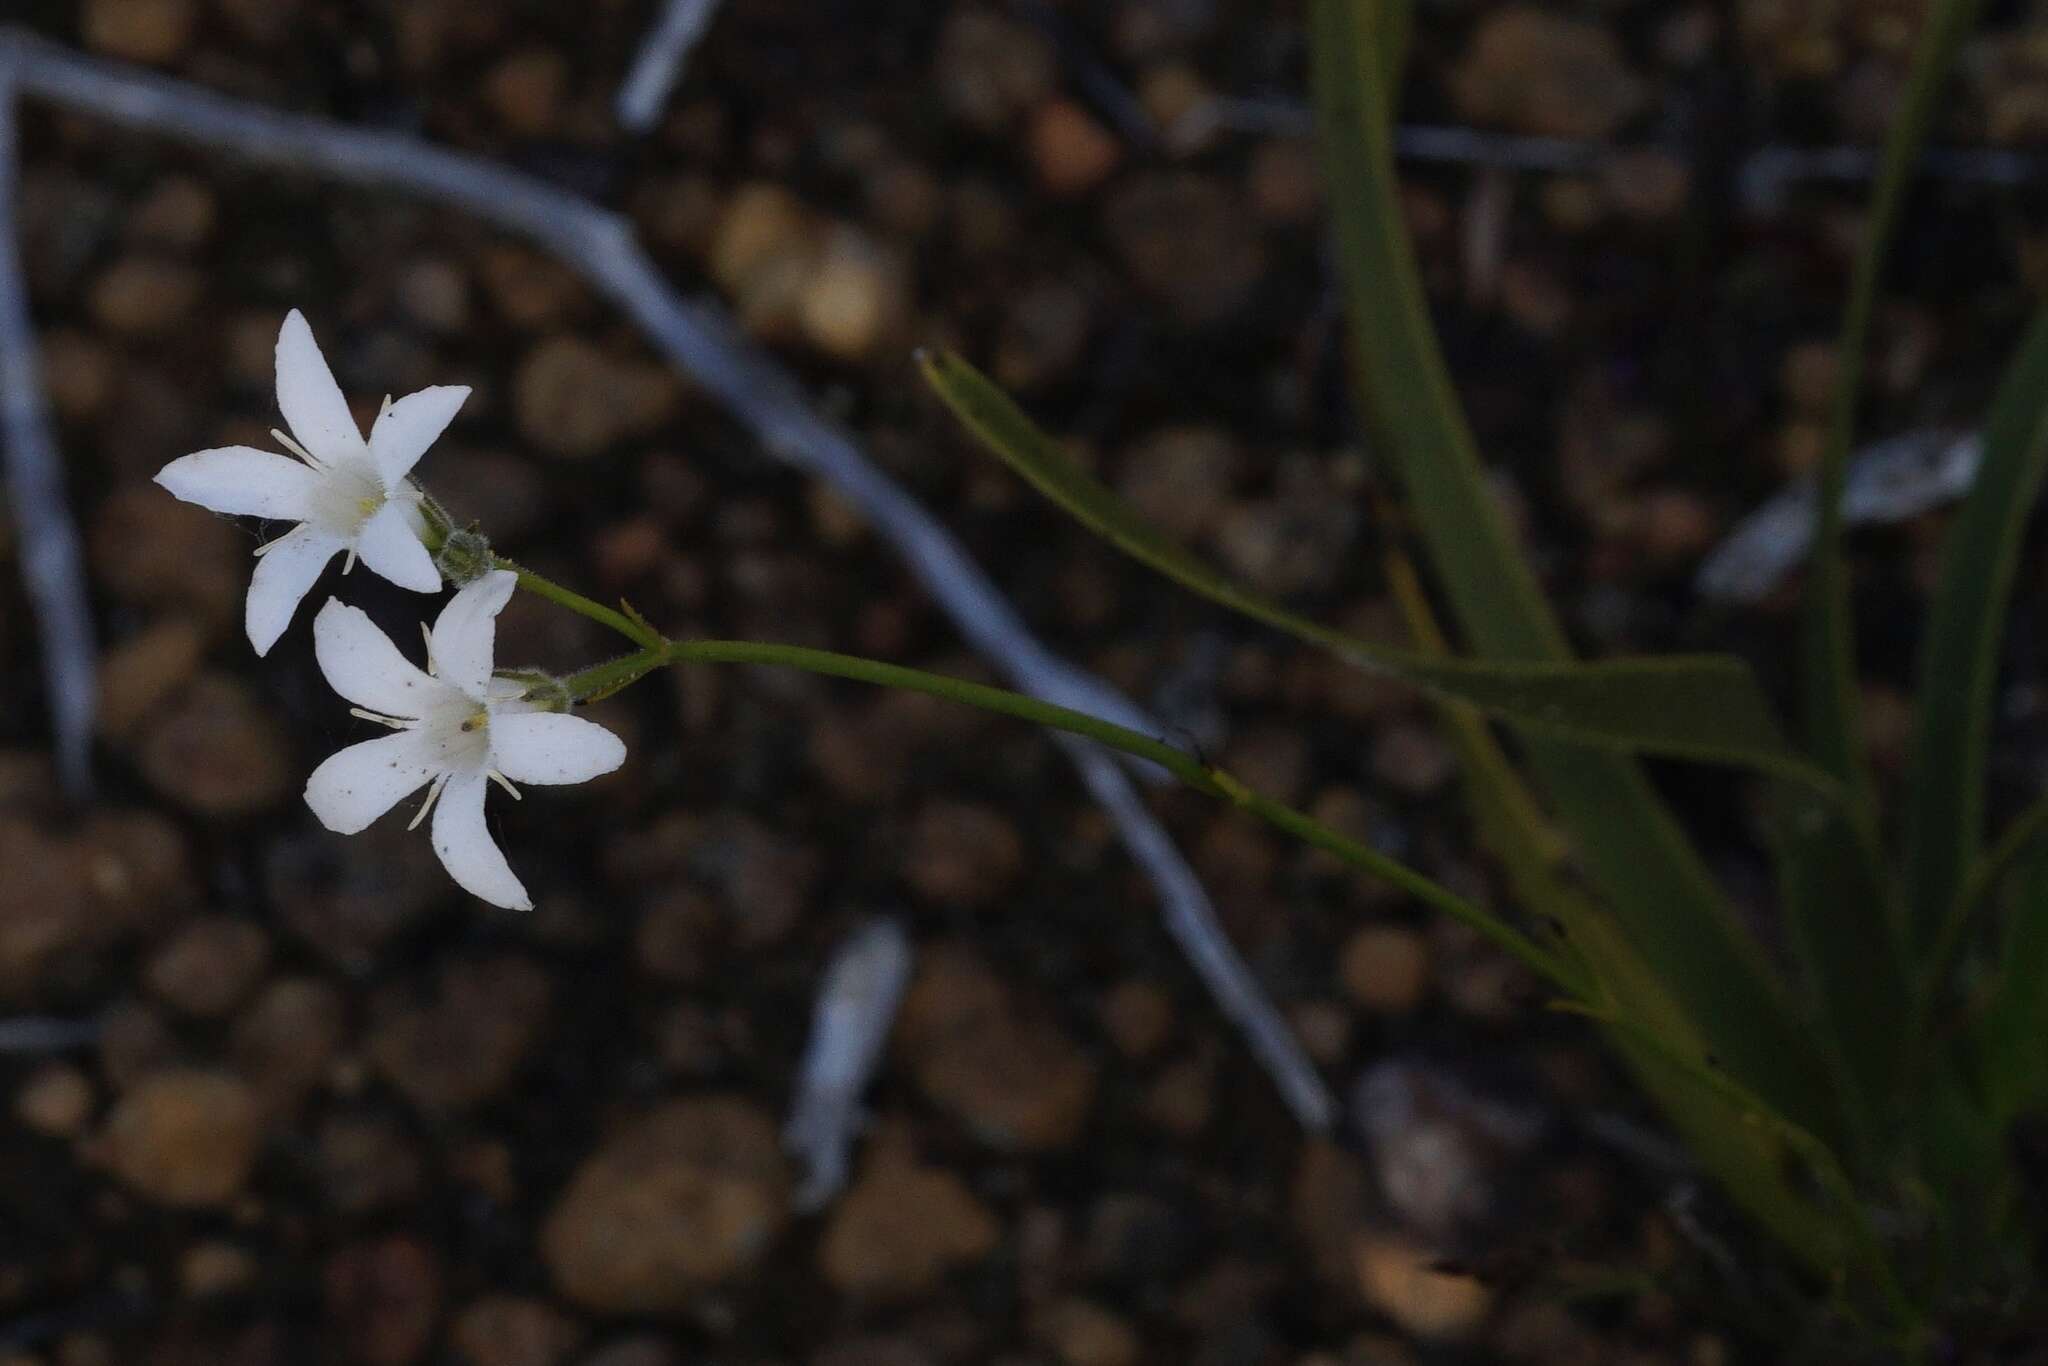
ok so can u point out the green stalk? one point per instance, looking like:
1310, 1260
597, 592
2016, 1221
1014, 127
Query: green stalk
638, 632
604, 679
1830, 672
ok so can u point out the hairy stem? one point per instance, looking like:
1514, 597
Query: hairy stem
640, 634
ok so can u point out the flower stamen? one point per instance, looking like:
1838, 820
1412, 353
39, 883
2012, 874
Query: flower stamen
502, 781
395, 722
433, 792
284, 439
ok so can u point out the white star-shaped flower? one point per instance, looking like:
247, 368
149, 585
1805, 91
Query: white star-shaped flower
346, 494
457, 729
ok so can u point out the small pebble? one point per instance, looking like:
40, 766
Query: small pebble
144, 296
1139, 1017
988, 68
1412, 759
525, 91
1181, 1098
138, 674
209, 965
56, 1101
179, 214
466, 1044
1084, 1333
288, 1037
215, 1269
901, 1229
962, 854
367, 1164
219, 750
1386, 969
638, 1351
1401, 1280
855, 298
1072, 152
1180, 479
383, 1300
572, 399
1533, 71
154, 31
78, 371
1186, 239
505, 1330
692, 1194
184, 1137
1012, 1078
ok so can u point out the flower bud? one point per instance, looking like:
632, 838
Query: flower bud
464, 557
544, 691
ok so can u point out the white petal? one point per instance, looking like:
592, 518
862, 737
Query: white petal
391, 547
403, 431
472, 858
552, 747
284, 573
242, 481
364, 666
360, 783
466, 633
308, 396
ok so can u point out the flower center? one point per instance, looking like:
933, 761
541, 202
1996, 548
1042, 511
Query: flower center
347, 497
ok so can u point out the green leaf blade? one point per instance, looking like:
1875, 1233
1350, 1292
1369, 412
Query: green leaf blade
1706, 708
1959, 662
1829, 677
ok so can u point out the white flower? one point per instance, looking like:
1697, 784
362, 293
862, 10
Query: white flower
458, 729
344, 493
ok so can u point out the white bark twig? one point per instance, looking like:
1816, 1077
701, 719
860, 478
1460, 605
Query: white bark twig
660, 63
52, 567
857, 1000
698, 339
46, 1034
1892, 481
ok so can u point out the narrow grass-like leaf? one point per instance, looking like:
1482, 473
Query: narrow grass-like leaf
1828, 1239
1829, 678
1746, 1158
1959, 663
1703, 707
1648, 873
1842, 927
2011, 1033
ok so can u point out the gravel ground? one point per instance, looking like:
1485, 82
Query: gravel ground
337, 1112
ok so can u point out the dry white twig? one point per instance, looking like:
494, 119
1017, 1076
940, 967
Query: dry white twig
698, 338
1892, 481
46, 1034
660, 63
857, 1002
52, 568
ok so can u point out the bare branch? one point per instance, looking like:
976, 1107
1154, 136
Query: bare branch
857, 1000
52, 568
660, 63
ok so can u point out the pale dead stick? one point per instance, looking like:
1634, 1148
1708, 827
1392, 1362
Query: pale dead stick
660, 64
52, 567
699, 339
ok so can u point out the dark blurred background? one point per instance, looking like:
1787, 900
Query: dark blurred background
315, 1105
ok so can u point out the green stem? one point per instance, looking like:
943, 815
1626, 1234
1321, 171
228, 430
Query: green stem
1830, 678
2029, 826
642, 635
1205, 778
